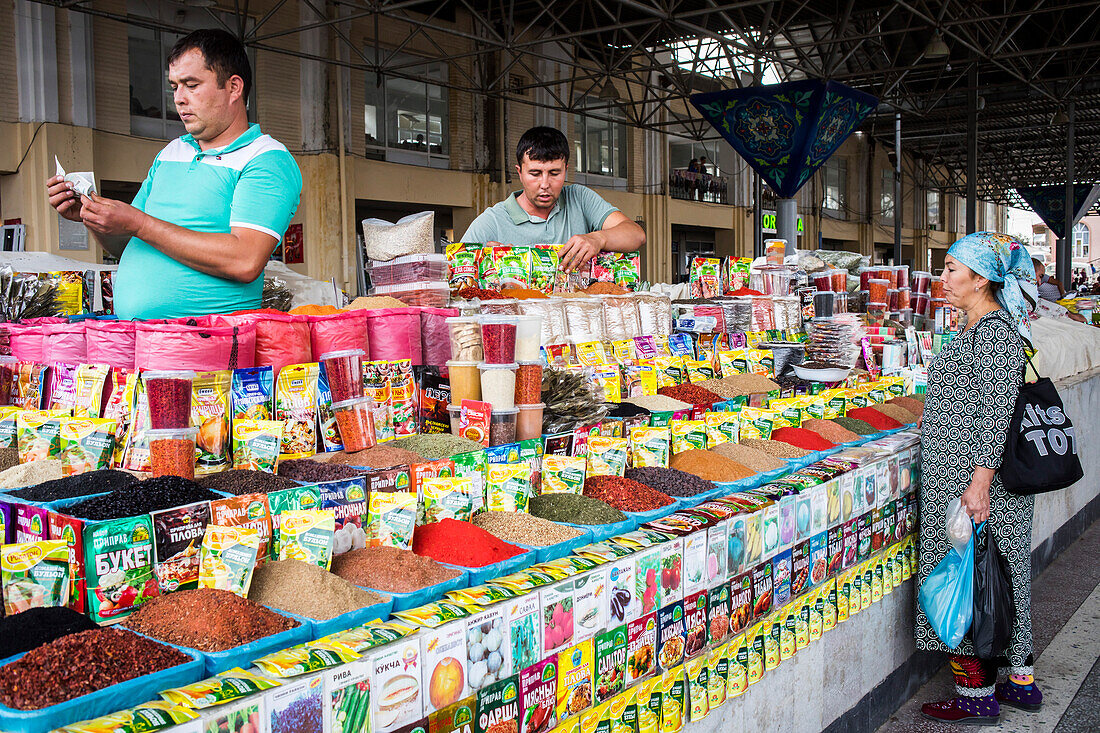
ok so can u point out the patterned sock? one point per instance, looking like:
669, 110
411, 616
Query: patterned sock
973, 677
1022, 679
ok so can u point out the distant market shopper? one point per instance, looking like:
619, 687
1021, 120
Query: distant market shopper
214, 204
547, 211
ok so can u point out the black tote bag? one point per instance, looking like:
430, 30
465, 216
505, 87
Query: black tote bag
1041, 452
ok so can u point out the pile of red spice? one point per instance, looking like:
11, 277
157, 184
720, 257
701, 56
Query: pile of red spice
744, 291
692, 393
802, 438
624, 494
461, 543
874, 418
480, 294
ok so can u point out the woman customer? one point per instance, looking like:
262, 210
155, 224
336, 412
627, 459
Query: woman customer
972, 390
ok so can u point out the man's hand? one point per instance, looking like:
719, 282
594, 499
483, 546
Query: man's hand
63, 198
975, 499
578, 251
110, 218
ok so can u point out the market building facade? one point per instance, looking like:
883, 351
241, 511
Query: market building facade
93, 91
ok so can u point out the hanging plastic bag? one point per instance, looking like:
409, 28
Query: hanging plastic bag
959, 527
994, 606
947, 594
28, 342
281, 339
112, 343
200, 348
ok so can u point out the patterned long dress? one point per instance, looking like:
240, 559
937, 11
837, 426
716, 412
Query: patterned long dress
972, 389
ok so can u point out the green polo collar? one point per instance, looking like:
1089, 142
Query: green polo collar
246, 137
519, 216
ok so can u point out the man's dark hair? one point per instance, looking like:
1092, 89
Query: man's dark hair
223, 53
542, 144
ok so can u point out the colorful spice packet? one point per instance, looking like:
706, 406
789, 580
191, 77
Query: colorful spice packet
649, 447
507, 487
148, 717
86, 444
228, 558
210, 397
447, 497
307, 535
391, 518
35, 575
563, 474
607, 456
256, 444
296, 406
688, 435
88, 397
252, 393
38, 435
225, 687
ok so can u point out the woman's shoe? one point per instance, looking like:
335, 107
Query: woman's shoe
964, 710
1024, 697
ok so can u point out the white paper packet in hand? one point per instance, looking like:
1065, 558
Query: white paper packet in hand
83, 182
959, 526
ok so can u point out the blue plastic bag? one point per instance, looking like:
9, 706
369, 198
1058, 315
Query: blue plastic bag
947, 595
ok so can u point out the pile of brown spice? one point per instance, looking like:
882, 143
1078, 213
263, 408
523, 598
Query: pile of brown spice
524, 529
829, 430
739, 385
307, 590
775, 448
380, 456
390, 569
711, 466
898, 413
78, 664
375, 302
757, 460
523, 293
908, 403
207, 619
605, 289
310, 471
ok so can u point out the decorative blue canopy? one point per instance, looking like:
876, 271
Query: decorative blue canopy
786, 131
1049, 202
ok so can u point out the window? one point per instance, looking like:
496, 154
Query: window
152, 109
599, 146
1081, 241
933, 202
406, 120
886, 196
835, 180
681, 154
990, 216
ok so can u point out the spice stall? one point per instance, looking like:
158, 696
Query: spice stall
524, 507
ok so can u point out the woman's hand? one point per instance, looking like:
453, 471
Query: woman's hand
975, 499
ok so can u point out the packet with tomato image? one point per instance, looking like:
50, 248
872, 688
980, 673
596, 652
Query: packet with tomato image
464, 261
118, 566
611, 648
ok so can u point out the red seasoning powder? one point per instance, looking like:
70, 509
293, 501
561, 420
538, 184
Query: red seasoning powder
461, 543
874, 418
802, 438
692, 393
624, 494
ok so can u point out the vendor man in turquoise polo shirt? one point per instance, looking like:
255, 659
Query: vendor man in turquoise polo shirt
547, 211
214, 204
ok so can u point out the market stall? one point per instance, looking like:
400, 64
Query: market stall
485, 497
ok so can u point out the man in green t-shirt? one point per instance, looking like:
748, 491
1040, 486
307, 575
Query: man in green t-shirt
547, 211
214, 205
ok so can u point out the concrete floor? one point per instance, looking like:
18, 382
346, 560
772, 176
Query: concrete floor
1065, 604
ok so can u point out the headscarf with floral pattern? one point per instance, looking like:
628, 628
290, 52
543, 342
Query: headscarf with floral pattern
1004, 259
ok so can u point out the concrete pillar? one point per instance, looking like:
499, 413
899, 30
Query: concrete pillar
786, 223
657, 255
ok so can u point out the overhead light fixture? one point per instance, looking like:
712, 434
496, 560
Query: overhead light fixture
981, 103
1059, 118
747, 78
608, 92
200, 3
936, 48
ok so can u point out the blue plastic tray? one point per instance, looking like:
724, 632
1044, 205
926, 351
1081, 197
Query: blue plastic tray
351, 619
405, 601
245, 654
478, 576
101, 702
561, 549
601, 532
641, 518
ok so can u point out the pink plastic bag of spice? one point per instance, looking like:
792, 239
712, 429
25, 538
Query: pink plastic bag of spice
338, 332
65, 342
281, 338
28, 342
395, 335
435, 340
202, 349
112, 343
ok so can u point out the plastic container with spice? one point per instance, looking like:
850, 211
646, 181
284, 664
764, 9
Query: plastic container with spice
584, 318
500, 306
901, 276
654, 314
876, 290
921, 281
529, 383
430, 294
498, 385
344, 370
502, 426
620, 317
903, 298
920, 302
465, 335
892, 298
498, 338
552, 311
355, 421
529, 423
935, 287
528, 337
169, 394
465, 381
172, 452
408, 269
454, 412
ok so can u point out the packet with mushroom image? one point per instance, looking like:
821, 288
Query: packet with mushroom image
35, 575
228, 558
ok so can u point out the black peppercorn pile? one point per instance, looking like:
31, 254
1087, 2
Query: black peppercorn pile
151, 495
243, 481
670, 481
37, 626
309, 471
78, 664
82, 484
